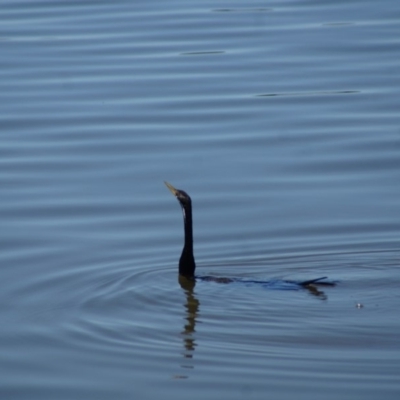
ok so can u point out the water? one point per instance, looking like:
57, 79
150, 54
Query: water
281, 119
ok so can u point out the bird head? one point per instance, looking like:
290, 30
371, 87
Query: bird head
183, 198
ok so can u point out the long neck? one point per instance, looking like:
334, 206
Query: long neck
186, 263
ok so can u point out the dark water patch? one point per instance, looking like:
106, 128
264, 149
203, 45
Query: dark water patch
338, 23
309, 93
243, 10
199, 53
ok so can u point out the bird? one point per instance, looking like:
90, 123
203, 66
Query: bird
187, 264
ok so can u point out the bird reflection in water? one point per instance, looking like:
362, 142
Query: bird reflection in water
192, 308
189, 328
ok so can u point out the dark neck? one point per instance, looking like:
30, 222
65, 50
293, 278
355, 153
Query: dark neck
186, 262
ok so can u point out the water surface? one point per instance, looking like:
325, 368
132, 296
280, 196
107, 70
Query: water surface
280, 119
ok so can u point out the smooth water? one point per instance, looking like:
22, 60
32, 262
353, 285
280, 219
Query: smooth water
280, 118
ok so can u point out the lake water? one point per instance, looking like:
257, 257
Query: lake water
281, 119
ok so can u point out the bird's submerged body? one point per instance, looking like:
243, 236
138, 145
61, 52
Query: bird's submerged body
187, 264
272, 284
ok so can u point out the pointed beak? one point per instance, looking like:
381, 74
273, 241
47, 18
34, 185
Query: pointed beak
172, 189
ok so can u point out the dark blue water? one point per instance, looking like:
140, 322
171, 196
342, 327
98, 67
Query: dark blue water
280, 119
